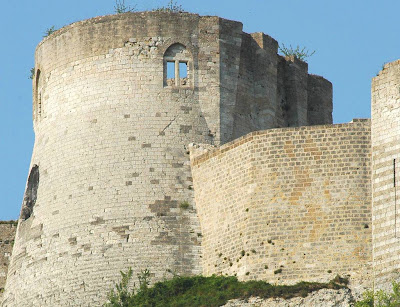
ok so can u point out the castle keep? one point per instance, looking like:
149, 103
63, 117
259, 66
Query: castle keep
268, 189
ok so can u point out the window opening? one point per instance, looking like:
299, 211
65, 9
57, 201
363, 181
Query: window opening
183, 71
30, 193
176, 66
170, 70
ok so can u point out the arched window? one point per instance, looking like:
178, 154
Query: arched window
177, 66
38, 92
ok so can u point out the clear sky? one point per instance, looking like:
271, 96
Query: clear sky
352, 40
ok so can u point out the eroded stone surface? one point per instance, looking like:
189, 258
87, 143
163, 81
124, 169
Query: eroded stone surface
324, 297
287, 205
385, 174
7, 236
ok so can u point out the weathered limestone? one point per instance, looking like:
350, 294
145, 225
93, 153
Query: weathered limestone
324, 297
287, 205
117, 100
385, 174
7, 236
110, 165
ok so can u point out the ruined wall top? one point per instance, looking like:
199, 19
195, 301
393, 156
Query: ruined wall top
256, 88
98, 35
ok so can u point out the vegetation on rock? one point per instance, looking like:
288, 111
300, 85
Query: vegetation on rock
120, 7
12, 222
205, 291
172, 7
381, 298
302, 53
49, 31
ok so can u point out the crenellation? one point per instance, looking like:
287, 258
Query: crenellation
319, 106
295, 87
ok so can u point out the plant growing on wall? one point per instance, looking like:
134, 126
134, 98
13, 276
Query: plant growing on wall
32, 75
120, 7
184, 205
302, 53
49, 31
144, 279
121, 294
172, 7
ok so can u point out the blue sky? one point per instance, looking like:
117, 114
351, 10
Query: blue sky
352, 40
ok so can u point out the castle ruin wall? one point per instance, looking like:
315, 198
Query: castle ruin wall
261, 89
385, 117
319, 100
287, 205
7, 236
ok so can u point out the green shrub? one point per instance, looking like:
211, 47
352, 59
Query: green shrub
171, 7
120, 7
302, 53
184, 205
204, 291
49, 31
381, 298
32, 73
121, 295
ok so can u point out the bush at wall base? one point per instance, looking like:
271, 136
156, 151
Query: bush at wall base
381, 298
206, 291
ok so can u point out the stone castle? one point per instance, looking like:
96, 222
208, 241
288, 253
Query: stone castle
268, 189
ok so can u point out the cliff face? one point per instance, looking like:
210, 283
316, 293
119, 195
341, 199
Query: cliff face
324, 297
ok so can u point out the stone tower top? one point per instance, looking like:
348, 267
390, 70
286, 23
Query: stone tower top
257, 88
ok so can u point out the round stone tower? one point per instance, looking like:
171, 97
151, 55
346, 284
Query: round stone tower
385, 137
116, 101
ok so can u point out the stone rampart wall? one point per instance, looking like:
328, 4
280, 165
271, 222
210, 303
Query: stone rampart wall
7, 236
385, 174
286, 205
